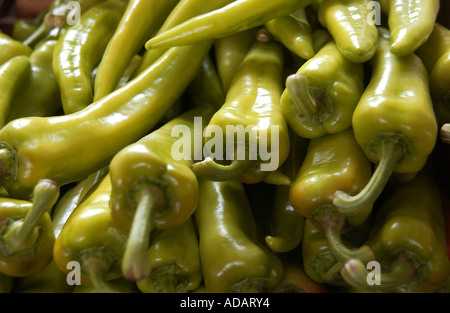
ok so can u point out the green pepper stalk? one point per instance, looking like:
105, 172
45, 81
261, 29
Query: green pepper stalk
13, 77
26, 235
294, 32
348, 23
79, 51
394, 123
232, 18
286, 225
11, 48
332, 162
233, 258
321, 96
91, 238
175, 261
183, 10
67, 148
40, 96
139, 22
410, 23
408, 240
252, 104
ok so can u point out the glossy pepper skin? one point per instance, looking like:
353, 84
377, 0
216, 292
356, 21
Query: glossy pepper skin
347, 21
408, 239
9, 47
252, 103
233, 259
175, 259
234, 17
40, 96
435, 54
321, 96
26, 234
294, 32
91, 238
48, 147
79, 50
394, 122
410, 23
14, 74
286, 225
332, 162
127, 40
183, 10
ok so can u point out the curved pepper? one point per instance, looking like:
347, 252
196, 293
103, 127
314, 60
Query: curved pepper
348, 23
79, 50
408, 239
139, 22
410, 23
435, 54
321, 97
41, 96
14, 74
9, 48
230, 51
393, 122
175, 259
294, 32
232, 257
26, 234
332, 162
184, 10
69, 147
232, 18
251, 119
153, 187
91, 238
286, 225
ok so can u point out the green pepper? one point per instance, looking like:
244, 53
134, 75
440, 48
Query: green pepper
348, 23
184, 10
232, 18
6, 283
175, 261
435, 54
232, 256
321, 96
153, 186
139, 22
251, 118
91, 238
69, 147
26, 234
9, 48
410, 22
286, 225
294, 32
393, 122
408, 239
332, 162
79, 50
14, 75
230, 51
41, 96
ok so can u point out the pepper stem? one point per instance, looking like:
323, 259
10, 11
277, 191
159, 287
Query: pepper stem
135, 264
8, 162
211, 170
332, 224
297, 86
96, 271
169, 279
445, 133
390, 153
355, 273
22, 234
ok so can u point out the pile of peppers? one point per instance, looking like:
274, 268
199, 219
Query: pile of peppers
347, 102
